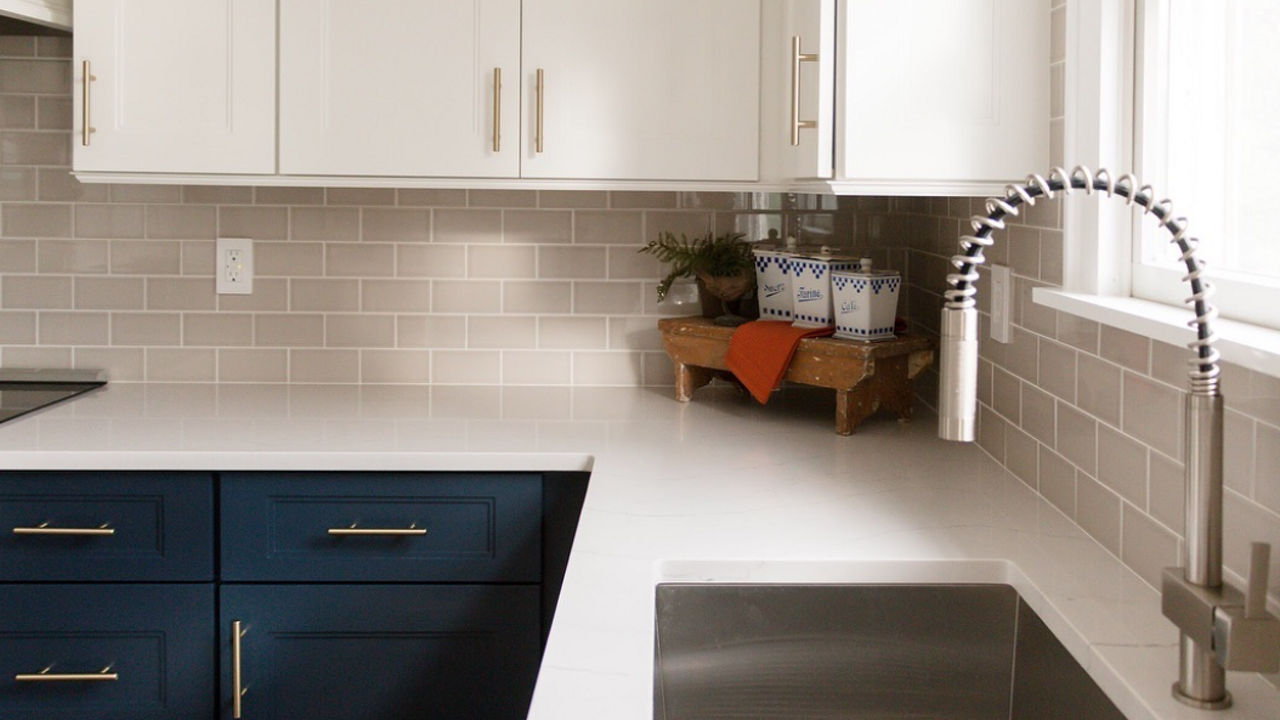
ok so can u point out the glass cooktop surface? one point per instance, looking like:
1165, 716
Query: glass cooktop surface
23, 391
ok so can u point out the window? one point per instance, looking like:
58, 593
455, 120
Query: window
1208, 137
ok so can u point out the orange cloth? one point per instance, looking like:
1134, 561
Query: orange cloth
760, 353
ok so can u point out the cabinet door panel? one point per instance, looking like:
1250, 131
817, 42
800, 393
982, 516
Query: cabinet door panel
157, 639
948, 90
814, 22
162, 526
654, 90
179, 85
382, 651
398, 87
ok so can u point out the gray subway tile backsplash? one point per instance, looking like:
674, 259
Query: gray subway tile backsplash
1064, 380
450, 286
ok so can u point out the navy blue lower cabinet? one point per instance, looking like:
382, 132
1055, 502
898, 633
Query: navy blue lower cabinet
106, 526
379, 652
381, 527
107, 652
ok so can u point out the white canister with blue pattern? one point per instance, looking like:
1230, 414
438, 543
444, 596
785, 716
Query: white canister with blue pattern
811, 288
773, 283
866, 303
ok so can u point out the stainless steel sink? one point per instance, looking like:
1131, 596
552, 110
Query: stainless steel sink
862, 651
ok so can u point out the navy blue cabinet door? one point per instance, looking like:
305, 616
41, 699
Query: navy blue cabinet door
381, 652
106, 526
146, 652
332, 527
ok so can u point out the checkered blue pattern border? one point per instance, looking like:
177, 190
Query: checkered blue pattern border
863, 333
782, 263
890, 283
817, 268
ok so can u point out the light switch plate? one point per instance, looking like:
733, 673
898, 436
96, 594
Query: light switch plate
233, 266
1001, 299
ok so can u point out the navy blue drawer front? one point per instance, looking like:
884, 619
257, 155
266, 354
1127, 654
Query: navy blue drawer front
157, 641
380, 652
106, 526
362, 527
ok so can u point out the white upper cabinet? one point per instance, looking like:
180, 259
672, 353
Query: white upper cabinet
641, 89
947, 97
175, 86
400, 88
966, 99
51, 13
809, 59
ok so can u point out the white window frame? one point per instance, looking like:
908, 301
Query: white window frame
1099, 131
1238, 297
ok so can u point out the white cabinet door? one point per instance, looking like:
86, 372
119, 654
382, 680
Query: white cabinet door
399, 87
641, 90
176, 85
943, 90
809, 58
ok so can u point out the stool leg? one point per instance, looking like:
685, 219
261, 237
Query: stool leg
847, 414
895, 391
688, 379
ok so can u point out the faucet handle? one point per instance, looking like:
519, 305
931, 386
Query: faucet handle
1248, 637
1255, 596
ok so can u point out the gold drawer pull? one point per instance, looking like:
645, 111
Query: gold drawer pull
413, 529
238, 689
540, 89
86, 128
44, 529
46, 676
497, 109
798, 57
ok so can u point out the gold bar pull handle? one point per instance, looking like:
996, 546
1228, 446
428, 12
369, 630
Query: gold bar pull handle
104, 675
44, 529
541, 88
353, 529
497, 109
238, 689
86, 79
798, 57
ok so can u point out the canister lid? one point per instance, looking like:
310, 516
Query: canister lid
866, 273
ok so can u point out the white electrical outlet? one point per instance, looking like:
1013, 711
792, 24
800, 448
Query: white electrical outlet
1001, 296
234, 266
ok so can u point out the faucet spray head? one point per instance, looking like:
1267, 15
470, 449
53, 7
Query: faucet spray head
958, 395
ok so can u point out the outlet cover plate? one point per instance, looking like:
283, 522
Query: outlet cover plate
1001, 303
233, 266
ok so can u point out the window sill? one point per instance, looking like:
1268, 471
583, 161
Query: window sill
1250, 346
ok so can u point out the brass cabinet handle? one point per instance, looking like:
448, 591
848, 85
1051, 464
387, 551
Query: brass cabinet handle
86, 129
237, 681
44, 529
497, 109
46, 676
354, 530
541, 89
798, 57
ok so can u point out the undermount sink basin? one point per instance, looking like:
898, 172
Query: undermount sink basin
862, 651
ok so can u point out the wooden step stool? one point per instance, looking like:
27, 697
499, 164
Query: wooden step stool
865, 375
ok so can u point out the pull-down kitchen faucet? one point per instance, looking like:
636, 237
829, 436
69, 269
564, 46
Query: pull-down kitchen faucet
1221, 629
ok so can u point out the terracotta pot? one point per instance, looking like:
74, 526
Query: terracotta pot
712, 306
728, 287
720, 295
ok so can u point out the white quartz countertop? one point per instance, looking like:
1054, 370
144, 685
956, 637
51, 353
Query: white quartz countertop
715, 490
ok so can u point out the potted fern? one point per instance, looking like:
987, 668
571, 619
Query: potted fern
723, 266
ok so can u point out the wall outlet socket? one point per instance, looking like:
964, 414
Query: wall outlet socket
1001, 302
233, 266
